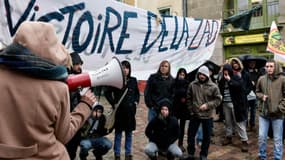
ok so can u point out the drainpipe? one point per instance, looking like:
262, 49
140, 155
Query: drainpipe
184, 8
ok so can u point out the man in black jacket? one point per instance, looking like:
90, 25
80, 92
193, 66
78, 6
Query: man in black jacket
162, 132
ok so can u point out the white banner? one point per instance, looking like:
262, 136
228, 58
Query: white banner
101, 29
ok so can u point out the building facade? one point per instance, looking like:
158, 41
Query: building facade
232, 41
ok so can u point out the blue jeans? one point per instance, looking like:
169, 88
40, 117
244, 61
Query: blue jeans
199, 135
128, 142
151, 114
100, 145
151, 150
277, 126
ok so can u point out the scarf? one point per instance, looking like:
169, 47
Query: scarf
19, 58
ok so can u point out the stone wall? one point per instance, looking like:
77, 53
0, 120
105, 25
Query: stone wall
209, 9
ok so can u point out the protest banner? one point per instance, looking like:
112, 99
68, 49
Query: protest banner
102, 29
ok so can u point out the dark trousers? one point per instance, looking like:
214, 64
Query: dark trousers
182, 131
252, 111
192, 130
72, 145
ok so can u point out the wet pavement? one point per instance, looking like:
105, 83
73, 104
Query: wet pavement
216, 150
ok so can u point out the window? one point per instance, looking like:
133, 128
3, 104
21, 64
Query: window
164, 11
257, 12
272, 7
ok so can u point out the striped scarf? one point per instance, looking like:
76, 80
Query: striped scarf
22, 59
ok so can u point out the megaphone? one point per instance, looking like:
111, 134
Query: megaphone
109, 75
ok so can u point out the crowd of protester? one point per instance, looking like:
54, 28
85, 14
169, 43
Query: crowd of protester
48, 116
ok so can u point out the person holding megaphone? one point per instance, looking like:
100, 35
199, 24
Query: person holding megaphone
35, 112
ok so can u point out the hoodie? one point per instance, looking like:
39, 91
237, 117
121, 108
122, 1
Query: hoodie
274, 87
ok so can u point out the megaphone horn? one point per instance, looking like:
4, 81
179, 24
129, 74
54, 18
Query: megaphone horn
109, 75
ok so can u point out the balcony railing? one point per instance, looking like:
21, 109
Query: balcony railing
260, 18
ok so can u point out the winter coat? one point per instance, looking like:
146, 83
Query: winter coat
274, 87
125, 115
179, 103
37, 113
203, 93
158, 88
248, 86
99, 132
162, 132
237, 93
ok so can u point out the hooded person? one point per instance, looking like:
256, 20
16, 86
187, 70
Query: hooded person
270, 89
203, 96
35, 104
234, 106
205, 71
162, 132
93, 135
125, 101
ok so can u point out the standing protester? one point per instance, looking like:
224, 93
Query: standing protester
125, 119
76, 68
254, 74
35, 105
93, 133
203, 96
180, 110
159, 85
270, 90
234, 106
162, 132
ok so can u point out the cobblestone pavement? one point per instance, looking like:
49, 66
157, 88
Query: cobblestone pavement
216, 150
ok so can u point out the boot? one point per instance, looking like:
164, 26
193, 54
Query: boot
244, 146
129, 157
99, 157
117, 157
169, 156
227, 141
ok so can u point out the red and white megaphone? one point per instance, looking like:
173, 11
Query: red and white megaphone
109, 75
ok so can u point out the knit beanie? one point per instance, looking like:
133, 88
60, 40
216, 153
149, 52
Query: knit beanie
204, 70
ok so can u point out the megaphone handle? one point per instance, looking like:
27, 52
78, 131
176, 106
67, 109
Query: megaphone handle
83, 91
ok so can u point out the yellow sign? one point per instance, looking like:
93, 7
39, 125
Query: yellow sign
253, 38
244, 39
